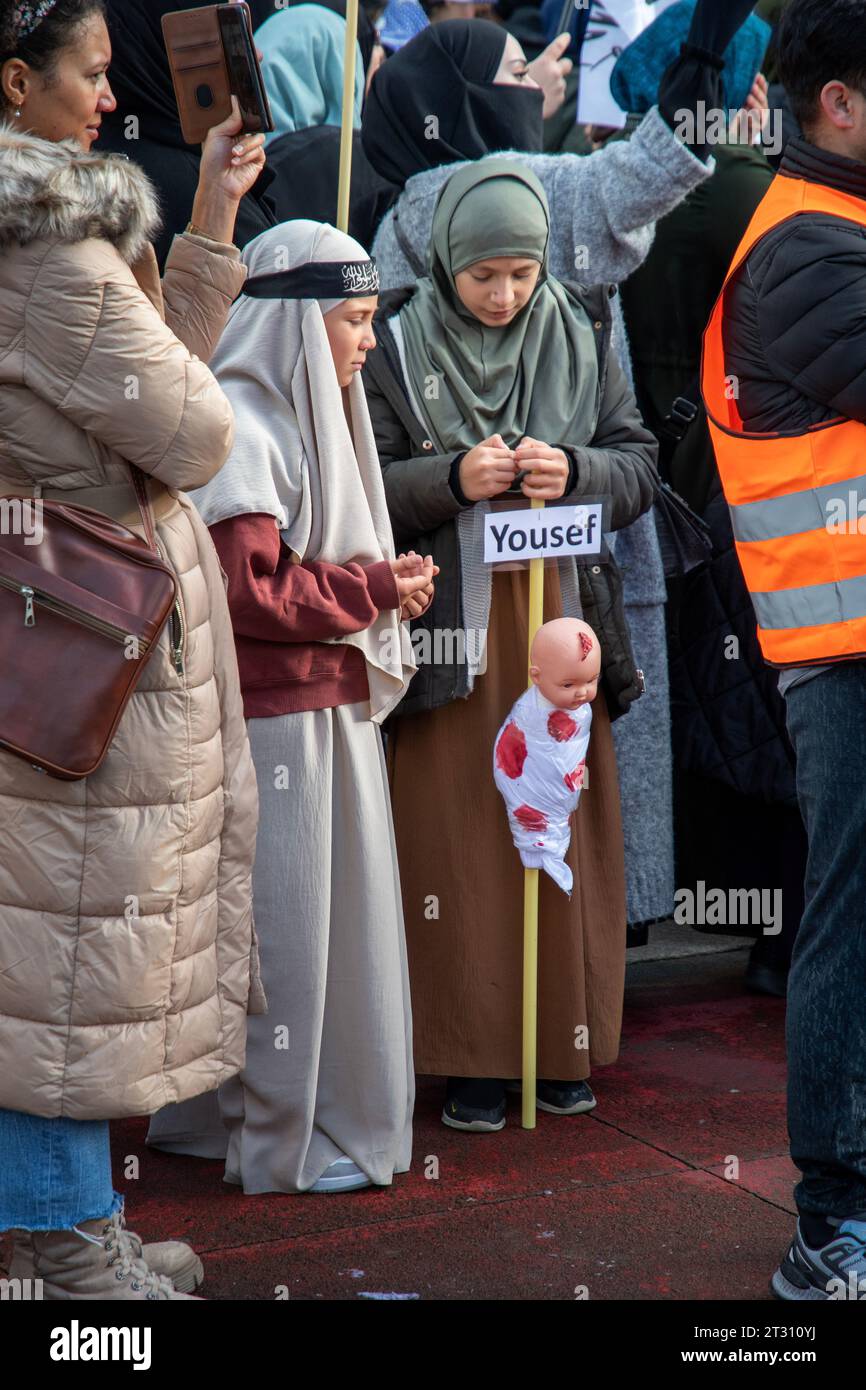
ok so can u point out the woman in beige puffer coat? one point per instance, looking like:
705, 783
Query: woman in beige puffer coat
127, 953
126, 931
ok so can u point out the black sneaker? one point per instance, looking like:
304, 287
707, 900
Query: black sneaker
564, 1097
837, 1271
559, 1097
475, 1104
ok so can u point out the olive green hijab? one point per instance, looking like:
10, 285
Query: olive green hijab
536, 376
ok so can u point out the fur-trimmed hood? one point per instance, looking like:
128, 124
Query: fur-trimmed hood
60, 192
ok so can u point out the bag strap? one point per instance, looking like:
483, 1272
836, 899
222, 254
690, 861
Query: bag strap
683, 412
137, 478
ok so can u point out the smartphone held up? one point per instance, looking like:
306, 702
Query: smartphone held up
212, 58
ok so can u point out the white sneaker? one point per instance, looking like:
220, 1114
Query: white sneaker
341, 1176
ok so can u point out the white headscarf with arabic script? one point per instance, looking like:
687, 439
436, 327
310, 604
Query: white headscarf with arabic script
294, 456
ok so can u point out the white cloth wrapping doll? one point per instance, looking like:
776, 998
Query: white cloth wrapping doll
539, 758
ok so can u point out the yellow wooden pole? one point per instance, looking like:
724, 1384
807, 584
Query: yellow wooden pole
345, 179
530, 892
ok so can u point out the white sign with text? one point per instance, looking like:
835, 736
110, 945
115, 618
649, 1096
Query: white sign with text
543, 533
612, 26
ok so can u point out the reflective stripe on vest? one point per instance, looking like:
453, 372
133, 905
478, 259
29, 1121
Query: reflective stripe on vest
799, 511
812, 606
795, 498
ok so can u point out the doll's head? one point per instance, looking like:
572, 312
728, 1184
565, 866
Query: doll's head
565, 662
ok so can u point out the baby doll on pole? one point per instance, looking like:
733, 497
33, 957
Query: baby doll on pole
540, 752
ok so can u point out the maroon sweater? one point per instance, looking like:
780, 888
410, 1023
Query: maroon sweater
283, 612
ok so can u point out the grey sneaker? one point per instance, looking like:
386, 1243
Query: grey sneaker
835, 1272
341, 1176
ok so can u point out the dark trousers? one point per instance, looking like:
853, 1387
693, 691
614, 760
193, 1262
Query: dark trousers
826, 1023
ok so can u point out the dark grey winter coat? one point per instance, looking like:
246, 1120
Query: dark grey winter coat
620, 464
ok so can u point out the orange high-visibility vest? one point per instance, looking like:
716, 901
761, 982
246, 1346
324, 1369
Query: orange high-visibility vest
794, 498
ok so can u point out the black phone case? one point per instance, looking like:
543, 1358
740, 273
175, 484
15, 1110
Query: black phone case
242, 64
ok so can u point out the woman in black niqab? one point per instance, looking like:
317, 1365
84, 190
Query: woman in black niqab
141, 81
447, 73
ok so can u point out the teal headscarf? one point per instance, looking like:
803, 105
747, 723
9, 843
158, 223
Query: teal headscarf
303, 50
537, 375
640, 67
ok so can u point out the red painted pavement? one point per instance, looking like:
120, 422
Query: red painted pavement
677, 1187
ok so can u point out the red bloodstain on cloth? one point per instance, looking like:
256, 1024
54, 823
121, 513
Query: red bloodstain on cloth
531, 819
573, 780
561, 726
511, 751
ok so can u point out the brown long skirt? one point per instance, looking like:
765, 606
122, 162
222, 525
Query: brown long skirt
462, 881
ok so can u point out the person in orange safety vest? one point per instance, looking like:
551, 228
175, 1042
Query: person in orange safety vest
784, 384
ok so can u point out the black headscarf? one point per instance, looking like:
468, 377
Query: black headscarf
367, 38
262, 10
140, 76
447, 72
141, 81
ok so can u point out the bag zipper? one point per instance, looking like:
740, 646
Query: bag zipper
33, 597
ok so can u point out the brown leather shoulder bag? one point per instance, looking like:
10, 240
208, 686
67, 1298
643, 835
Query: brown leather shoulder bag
83, 600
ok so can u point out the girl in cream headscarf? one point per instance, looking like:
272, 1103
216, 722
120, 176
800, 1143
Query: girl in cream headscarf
299, 519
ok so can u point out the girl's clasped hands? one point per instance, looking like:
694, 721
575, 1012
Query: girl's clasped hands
491, 468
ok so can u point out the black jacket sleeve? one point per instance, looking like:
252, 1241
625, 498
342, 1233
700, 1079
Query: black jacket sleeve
695, 75
811, 310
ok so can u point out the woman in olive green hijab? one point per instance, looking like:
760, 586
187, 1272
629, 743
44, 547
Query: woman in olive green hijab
494, 384
536, 369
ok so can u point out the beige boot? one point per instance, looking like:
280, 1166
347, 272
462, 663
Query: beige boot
174, 1259
95, 1261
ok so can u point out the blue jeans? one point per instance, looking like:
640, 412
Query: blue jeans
54, 1174
826, 1023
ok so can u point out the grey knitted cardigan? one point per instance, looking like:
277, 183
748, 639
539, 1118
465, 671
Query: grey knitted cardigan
603, 207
